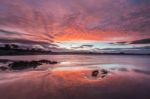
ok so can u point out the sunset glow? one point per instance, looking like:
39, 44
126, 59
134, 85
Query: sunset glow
45, 23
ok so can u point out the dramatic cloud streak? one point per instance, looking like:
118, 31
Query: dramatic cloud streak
74, 20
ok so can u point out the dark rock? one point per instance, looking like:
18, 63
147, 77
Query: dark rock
103, 71
44, 61
19, 65
53, 62
95, 73
5, 60
3, 68
103, 76
48, 62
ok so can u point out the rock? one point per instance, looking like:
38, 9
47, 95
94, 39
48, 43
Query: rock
53, 62
3, 68
103, 71
19, 65
95, 73
103, 76
48, 62
5, 60
44, 61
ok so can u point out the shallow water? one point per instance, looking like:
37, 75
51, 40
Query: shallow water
128, 78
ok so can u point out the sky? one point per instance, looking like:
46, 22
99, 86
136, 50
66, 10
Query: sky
71, 25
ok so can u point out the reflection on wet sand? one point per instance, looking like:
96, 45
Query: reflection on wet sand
75, 83
78, 77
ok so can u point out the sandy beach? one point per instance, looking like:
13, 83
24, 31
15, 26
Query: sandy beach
64, 81
74, 84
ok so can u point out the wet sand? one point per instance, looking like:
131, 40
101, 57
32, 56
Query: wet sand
128, 78
74, 83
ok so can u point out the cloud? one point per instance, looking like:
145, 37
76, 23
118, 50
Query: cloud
13, 34
83, 47
2, 31
146, 72
22, 41
86, 46
26, 43
78, 19
142, 41
42, 23
119, 43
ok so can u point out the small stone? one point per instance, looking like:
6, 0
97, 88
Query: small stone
103, 71
95, 73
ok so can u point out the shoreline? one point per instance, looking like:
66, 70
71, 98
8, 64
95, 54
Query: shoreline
75, 54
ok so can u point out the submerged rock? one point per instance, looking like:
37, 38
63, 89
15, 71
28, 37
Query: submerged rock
102, 73
19, 65
95, 73
5, 60
48, 62
3, 68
